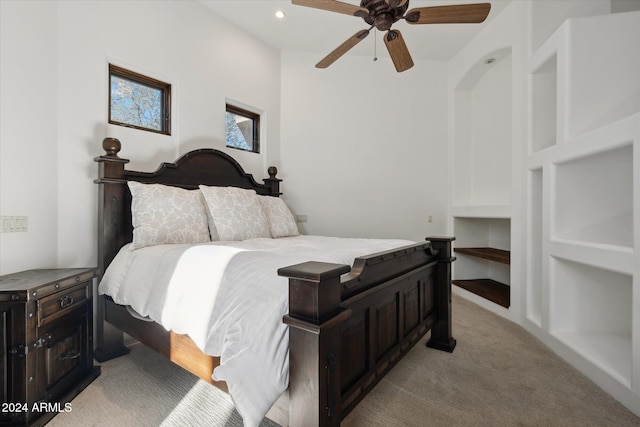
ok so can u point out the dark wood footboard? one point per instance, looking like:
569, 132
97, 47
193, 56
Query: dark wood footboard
347, 330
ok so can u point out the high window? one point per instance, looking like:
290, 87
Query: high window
139, 101
242, 129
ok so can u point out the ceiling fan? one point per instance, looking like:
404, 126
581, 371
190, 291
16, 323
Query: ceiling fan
381, 14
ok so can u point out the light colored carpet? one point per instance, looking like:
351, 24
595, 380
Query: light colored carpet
498, 375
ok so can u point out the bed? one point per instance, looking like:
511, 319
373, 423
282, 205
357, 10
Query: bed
347, 324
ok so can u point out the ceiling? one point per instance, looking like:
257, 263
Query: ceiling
318, 31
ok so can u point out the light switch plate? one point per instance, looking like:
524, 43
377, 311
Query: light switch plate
13, 224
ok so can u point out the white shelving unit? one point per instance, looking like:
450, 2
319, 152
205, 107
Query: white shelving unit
545, 166
544, 103
594, 198
582, 292
482, 130
579, 292
483, 258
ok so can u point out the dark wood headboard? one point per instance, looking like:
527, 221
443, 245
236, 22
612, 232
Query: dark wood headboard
199, 167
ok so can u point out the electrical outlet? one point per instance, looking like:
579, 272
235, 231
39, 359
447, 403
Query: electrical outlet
13, 224
430, 218
301, 218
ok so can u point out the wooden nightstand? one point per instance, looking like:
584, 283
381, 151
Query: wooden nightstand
46, 338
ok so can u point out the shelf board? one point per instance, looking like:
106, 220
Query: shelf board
492, 254
482, 211
496, 292
610, 352
608, 257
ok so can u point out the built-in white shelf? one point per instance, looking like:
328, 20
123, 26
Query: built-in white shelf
482, 248
613, 65
610, 353
544, 94
483, 232
592, 313
620, 133
482, 180
481, 211
594, 198
576, 228
615, 258
583, 201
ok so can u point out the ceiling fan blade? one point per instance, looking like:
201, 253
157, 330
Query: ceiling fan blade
453, 14
398, 50
333, 6
343, 48
396, 3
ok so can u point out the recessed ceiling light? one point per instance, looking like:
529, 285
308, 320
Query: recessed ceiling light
280, 14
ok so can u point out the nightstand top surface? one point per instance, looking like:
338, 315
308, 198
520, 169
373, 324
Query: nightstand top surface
32, 284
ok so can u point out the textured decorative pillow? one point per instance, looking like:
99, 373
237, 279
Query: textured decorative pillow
235, 213
162, 214
281, 220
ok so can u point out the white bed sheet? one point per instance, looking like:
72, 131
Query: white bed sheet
228, 298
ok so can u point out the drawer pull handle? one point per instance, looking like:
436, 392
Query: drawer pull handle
71, 354
66, 301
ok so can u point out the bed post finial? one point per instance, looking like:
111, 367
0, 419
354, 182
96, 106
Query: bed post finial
272, 181
111, 146
112, 186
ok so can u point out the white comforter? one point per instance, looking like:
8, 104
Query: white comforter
229, 299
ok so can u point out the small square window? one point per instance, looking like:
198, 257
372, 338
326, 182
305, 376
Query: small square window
242, 129
138, 101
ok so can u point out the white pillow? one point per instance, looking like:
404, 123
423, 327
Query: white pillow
235, 213
162, 214
281, 220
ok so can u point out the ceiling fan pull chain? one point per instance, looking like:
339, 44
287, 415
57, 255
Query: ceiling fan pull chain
375, 47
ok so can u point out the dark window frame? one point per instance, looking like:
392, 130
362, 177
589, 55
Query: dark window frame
141, 79
255, 118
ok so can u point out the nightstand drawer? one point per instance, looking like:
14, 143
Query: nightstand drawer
55, 306
63, 356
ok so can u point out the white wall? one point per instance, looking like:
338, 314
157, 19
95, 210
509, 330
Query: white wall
363, 146
381, 168
546, 16
55, 57
28, 132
